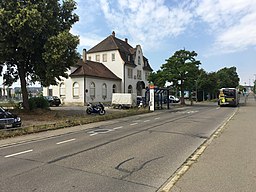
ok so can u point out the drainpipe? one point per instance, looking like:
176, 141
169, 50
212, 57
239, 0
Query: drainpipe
85, 90
124, 79
84, 61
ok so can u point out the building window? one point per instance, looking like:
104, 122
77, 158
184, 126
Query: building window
138, 74
92, 90
130, 73
104, 91
62, 90
104, 57
139, 60
129, 89
145, 63
113, 57
98, 58
89, 58
129, 58
75, 90
114, 89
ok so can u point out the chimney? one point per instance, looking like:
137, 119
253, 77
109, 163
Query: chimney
84, 55
126, 40
113, 34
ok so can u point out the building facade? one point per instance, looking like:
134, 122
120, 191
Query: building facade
128, 63
112, 66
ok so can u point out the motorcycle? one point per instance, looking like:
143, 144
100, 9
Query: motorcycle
99, 108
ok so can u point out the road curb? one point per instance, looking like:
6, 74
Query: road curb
193, 158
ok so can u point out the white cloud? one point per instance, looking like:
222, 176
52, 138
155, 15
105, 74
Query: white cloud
87, 11
240, 36
146, 21
232, 23
87, 40
150, 22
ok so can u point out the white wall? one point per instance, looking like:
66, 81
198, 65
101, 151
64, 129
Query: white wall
117, 66
98, 91
69, 99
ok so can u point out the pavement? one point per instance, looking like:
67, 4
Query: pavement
228, 163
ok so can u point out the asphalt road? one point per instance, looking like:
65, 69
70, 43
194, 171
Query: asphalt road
138, 153
229, 162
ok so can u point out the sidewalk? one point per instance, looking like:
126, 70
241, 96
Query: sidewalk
229, 162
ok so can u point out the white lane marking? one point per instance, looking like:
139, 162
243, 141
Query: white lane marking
19, 153
65, 141
218, 108
133, 124
93, 134
118, 128
157, 118
146, 121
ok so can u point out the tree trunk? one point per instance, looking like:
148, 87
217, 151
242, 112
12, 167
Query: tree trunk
182, 100
24, 90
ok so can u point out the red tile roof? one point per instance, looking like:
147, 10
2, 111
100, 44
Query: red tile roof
93, 69
113, 43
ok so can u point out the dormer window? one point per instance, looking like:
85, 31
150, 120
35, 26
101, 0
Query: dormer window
139, 60
104, 57
146, 63
98, 58
129, 58
113, 57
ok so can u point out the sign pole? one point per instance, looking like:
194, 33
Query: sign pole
151, 97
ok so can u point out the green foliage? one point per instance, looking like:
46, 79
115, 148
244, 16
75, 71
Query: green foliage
240, 88
38, 102
207, 82
182, 70
227, 77
157, 78
35, 42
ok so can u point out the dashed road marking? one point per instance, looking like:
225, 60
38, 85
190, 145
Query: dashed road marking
186, 112
66, 141
146, 121
118, 128
19, 153
133, 124
157, 118
99, 131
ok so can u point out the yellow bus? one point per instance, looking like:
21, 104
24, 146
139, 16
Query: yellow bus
228, 97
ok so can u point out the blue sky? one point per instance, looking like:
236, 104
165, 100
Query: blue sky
222, 32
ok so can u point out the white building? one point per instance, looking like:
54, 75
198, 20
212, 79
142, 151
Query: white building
111, 66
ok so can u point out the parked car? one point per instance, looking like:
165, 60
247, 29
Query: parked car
53, 100
8, 120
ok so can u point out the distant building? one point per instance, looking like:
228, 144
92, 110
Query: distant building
15, 93
112, 66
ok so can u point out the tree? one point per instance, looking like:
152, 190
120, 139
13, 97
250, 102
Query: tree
227, 77
157, 78
207, 82
35, 42
182, 69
